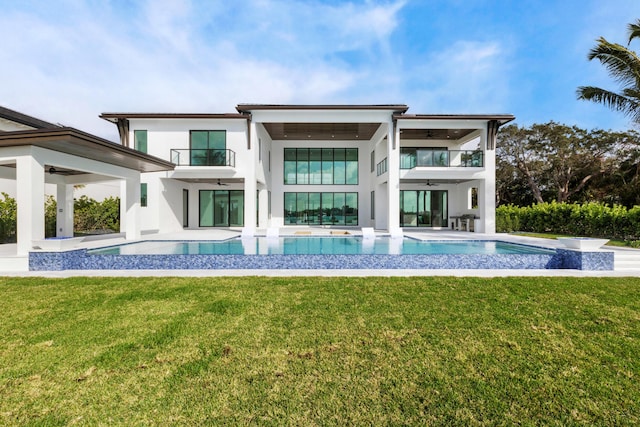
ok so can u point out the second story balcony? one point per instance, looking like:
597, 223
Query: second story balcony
203, 157
417, 157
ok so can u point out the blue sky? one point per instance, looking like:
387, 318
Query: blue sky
67, 61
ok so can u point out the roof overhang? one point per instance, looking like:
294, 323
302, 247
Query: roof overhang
396, 108
502, 119
77, 143
23, 119
114, 117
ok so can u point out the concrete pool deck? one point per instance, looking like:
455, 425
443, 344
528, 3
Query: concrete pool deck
627, 261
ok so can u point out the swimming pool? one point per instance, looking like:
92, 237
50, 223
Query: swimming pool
320, 246
319, 253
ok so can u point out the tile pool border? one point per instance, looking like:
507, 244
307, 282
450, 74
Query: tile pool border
79, 259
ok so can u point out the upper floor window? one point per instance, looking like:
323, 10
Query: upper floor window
321, 166
208, 147
140, 140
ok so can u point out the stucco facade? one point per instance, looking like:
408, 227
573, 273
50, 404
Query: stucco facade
326, 165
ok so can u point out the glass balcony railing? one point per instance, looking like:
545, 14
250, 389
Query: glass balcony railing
203, 157
411, 158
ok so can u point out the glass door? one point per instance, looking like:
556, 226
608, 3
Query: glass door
221, 208
423, 208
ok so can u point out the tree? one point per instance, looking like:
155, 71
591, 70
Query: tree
623, 65
558, 162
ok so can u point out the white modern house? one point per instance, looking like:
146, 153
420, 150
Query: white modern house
268, 166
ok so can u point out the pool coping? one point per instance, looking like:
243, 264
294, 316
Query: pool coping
561, 258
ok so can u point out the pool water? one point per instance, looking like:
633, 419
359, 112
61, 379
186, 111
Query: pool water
319, 246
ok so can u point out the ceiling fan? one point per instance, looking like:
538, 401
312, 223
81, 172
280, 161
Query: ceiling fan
430, 184
221, 184
54, 171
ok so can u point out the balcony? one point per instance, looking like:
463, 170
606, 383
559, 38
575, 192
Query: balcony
203, 157
416, 157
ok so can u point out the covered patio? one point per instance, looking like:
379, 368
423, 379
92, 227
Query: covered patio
67, 157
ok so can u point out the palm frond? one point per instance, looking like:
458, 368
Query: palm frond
621, 63
634, 31
612, 100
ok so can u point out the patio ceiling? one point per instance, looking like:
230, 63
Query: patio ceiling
321, 131
439, 134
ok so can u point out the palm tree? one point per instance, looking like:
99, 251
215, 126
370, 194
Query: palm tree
623, 65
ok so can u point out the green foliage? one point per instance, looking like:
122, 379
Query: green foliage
589, 219
50, 216
91, 215
8, 212
623, 65
551, 161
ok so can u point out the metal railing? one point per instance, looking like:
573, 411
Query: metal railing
203, 157
381, 167
410, 159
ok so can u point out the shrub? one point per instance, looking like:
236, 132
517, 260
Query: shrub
591, 219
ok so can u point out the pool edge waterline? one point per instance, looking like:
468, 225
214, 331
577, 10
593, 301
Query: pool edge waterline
81, 259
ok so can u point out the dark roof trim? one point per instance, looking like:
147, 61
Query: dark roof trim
401, 108
500, 118
24, 119
75, 142
113, 117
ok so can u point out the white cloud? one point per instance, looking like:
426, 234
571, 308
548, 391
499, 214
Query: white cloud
70, 63
466, 77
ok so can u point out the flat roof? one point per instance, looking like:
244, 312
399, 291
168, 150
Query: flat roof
251, 107
17, 117
75, 142
113, 117
501, 118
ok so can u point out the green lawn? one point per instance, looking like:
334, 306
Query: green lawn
320, 351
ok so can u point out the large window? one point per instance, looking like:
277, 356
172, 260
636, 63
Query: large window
321, 166
140, 140
423, 208
221, 208
321, 208
208, 148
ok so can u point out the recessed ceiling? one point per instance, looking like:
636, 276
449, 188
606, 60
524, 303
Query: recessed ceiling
440, 134
321, 131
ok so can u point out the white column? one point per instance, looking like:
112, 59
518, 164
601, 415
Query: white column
487, 191
30, 200
393, 182
64, 210
130, 207
263, 210
250, 185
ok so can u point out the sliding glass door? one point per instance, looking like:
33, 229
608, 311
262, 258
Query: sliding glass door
423, 208
221, 208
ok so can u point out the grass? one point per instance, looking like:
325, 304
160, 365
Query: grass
320, 351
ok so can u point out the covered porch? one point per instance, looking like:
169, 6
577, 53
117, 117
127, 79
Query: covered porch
67, 157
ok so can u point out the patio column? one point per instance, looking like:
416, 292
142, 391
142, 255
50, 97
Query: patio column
30, 199
393, 182
487, 190
64, 210
130, 207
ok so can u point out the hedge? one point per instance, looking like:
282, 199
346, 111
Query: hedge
90, 216
589, 219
